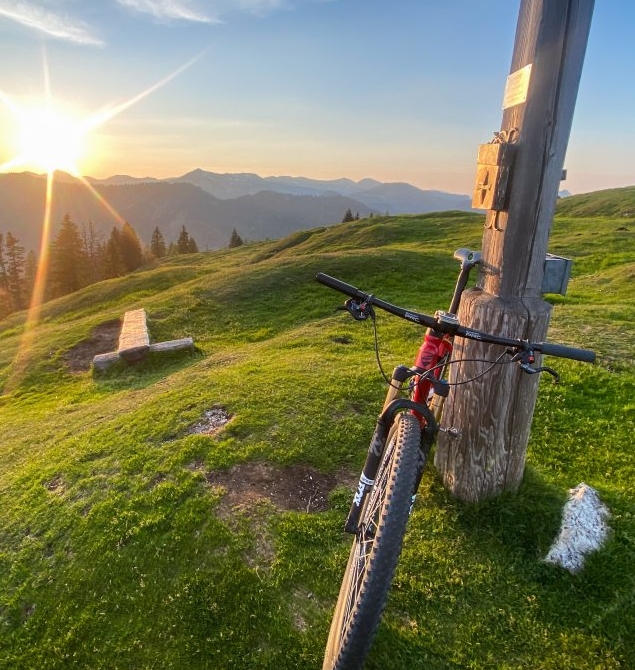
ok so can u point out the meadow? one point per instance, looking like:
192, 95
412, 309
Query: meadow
135, 535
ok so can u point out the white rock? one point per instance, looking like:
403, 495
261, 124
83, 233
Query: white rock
584, 528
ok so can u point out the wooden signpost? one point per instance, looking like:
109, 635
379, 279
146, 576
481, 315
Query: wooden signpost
518, 177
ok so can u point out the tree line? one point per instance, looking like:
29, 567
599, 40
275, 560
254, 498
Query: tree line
79, 256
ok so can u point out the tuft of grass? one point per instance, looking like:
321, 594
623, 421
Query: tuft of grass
117, 552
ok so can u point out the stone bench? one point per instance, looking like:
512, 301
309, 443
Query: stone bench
134, 342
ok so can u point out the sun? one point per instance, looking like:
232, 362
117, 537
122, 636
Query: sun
43, 135
50, 139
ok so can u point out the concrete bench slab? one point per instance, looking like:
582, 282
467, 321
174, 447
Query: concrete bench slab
134, 342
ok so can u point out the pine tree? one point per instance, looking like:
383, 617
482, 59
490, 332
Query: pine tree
192, 247
3, 266
114, 265
30, 272
130, 246
93, 248
348, 216
15, 271
157, 244
183, 241
68, 260
235, 240
5, 298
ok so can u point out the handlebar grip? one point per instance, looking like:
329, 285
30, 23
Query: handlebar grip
584, 355
340, 286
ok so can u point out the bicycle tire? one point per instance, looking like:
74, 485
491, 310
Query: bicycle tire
375, 552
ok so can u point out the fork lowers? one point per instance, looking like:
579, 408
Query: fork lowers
376, 549
376, 450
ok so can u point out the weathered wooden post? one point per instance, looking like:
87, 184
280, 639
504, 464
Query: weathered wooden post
493, 414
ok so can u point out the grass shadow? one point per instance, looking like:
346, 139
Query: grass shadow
489, 579
142, 374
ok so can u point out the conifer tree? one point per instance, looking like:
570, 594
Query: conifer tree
94, 249
130, 246
68, 261
5, 299
30, 273
157, 244
235, 240
183, 243
15, 271
348, 216
114, 265
3, 265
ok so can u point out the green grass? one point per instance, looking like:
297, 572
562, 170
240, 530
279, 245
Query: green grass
115, 551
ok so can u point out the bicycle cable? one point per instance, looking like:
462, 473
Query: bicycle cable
442, 364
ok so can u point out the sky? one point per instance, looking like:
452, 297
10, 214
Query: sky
395, 90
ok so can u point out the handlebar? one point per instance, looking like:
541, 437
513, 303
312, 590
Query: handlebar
550, 349
447, 323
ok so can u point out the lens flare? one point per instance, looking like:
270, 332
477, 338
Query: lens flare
50, 138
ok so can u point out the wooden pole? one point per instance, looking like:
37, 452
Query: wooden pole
493, 414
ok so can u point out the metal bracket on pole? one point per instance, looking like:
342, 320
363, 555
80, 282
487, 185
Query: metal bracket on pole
556, 276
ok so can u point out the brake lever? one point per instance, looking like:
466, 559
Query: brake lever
532, 371
525, 359
360, 311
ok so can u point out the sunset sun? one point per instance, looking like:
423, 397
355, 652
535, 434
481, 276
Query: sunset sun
50, 139
44, 135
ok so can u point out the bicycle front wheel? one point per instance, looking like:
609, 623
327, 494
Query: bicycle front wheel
375, 551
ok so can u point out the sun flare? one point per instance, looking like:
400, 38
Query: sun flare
44, 136
47, 137
50, 139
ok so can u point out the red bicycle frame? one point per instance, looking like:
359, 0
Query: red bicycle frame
433, 354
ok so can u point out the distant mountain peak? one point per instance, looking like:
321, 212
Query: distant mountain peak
208, 204
395, 197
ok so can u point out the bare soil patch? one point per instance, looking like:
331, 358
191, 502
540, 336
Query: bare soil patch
55, 485
103, 338
299, 488
213, 420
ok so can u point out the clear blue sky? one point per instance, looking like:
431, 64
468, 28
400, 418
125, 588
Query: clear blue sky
398, 90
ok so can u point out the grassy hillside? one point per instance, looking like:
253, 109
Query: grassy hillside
612, 202
136, 532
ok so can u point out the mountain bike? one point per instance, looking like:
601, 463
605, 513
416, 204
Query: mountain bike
404, 434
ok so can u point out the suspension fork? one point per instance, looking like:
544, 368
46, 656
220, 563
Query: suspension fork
392, 406
433, 357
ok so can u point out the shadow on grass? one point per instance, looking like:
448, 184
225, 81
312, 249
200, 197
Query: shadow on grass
153, 368
524, 522
484, 576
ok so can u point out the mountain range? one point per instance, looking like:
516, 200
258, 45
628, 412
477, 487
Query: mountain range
210, 205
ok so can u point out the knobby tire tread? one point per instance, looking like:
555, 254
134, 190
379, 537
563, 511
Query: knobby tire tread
364, 590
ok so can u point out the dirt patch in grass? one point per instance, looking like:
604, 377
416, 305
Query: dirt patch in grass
213, 420
103, 338
55, 485
299, 488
